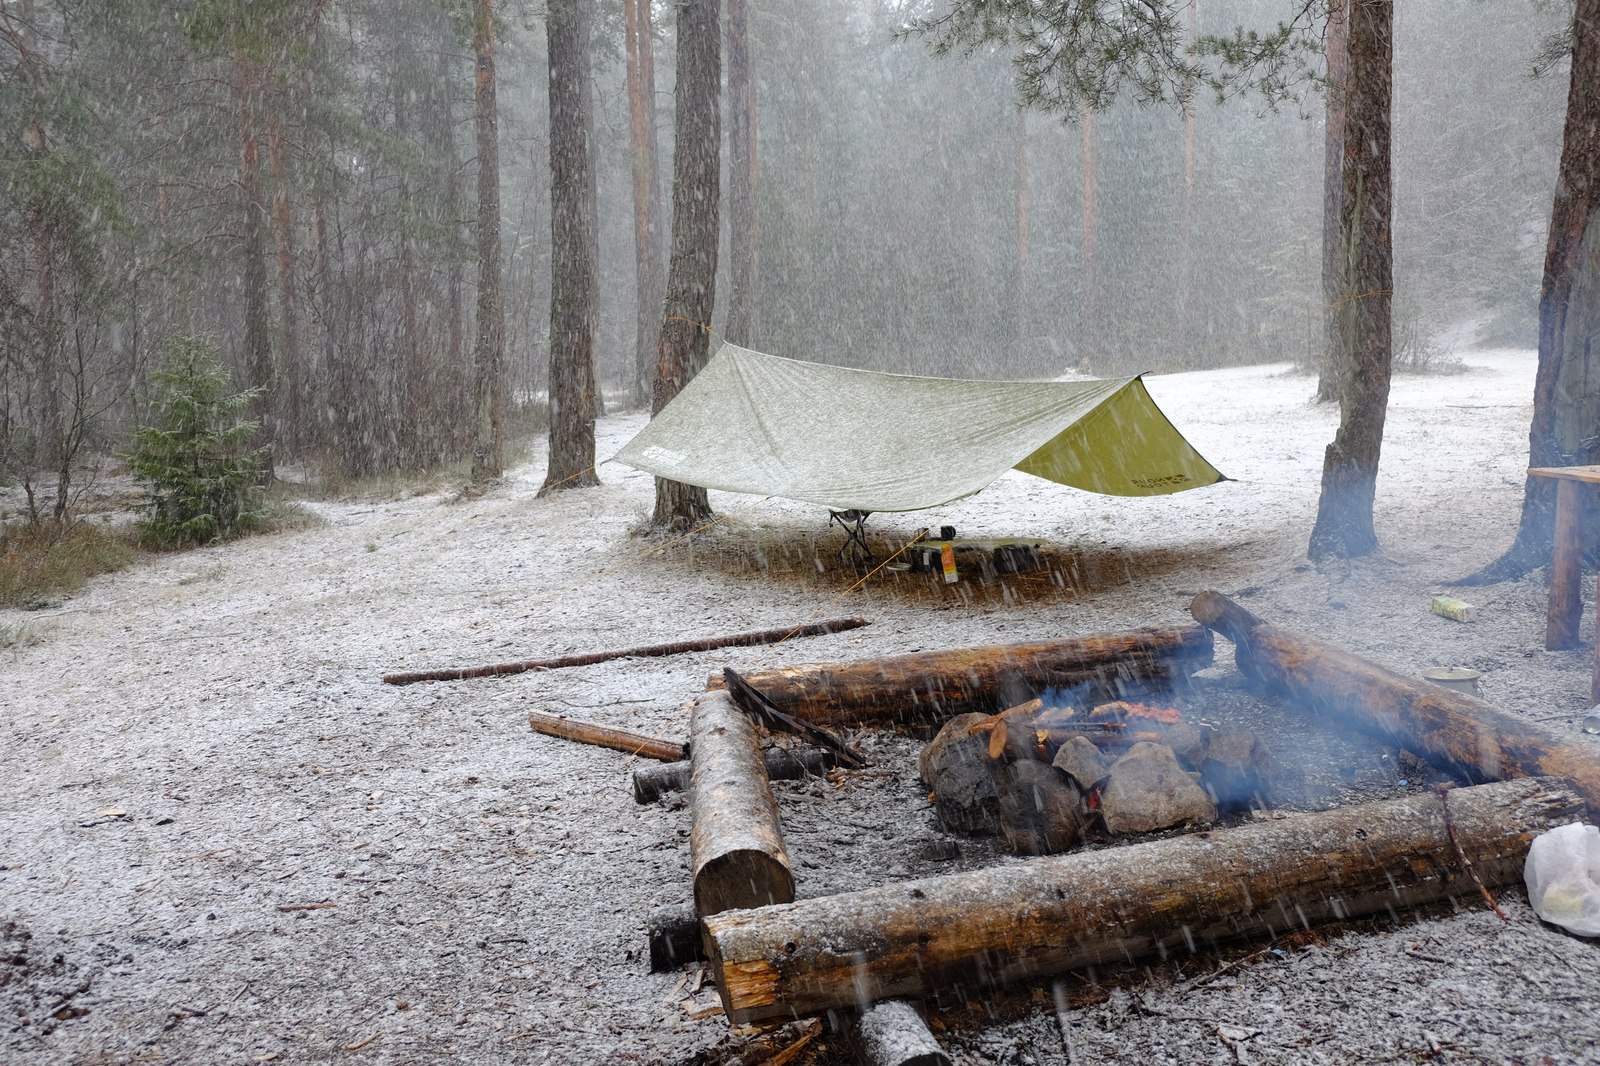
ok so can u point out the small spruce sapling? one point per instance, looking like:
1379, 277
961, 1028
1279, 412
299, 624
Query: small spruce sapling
195, 460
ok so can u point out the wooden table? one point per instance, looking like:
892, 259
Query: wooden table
1566, 568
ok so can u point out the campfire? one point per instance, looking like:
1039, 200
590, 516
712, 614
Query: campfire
1055, 744
1061, 767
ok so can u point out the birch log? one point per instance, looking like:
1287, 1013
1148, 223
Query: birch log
972, 931
736, 847
935, 686
1450, 729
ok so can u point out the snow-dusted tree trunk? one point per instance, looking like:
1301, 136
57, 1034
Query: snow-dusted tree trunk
692, 272
574, 249
489, 352
1363, 357
742, 168
1566, 392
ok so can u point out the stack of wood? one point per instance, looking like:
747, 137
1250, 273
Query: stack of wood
1043, 776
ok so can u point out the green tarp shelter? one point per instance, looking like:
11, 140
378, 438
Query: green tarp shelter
857, 440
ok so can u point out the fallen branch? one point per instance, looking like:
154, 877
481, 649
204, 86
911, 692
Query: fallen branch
606, 737
754, 702
682, 647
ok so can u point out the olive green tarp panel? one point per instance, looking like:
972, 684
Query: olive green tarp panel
853, 439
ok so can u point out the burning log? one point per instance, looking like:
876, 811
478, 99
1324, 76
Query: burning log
984, 928
934, 686
736, 847
652, 782
1449, 728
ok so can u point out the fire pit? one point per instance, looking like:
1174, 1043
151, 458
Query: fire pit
775, 957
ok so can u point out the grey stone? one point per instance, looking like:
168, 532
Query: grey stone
1146, 790
1040, 811
957, 767
1080, 760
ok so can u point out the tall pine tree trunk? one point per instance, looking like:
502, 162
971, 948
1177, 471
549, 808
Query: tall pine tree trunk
1021, 319
742, 170
574, 249
1350, 467
1089, 334
1566, 392
257, 338
294, 375
637, 31
692, 273
488, 451
1333, 268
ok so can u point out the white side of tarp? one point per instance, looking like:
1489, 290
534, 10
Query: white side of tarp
853, 439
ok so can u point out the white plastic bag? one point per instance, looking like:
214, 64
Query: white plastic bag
1563, 876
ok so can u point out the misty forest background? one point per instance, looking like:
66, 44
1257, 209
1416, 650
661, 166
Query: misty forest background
161, 165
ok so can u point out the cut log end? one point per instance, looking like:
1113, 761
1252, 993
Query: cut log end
738, 879
892, 1033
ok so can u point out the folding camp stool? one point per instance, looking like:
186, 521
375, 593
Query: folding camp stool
854, 523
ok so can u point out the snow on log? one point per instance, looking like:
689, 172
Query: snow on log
983, 928
651, 782
736, 847
1448, 728
892, 1033
934, 686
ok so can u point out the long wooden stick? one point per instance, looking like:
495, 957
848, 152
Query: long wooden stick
606, 737
680, 647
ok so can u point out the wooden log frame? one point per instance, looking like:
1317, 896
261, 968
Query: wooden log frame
931, 687
736, 846
984, 928
1448, 728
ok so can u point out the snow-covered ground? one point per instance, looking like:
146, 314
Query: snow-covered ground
309, 865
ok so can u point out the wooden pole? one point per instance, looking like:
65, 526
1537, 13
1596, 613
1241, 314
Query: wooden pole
968, 932
934, 686
736, 847
605, 736
652, 782
1449, 728
1565, 609
681, 647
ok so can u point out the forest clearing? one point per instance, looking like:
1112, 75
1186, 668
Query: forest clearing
228, 840
898, 532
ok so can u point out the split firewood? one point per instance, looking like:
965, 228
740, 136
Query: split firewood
961, 934
1448, 728
605, 736
681, 647
936, 686
736, 846
653, 781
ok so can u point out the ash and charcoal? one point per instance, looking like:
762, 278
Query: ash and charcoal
872, 827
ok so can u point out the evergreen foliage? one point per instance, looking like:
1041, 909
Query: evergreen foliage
195, 461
